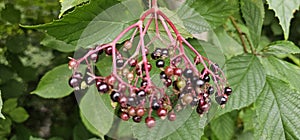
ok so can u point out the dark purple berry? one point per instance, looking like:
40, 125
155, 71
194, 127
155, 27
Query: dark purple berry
108, 50
227, 91
221, 100
120, 63
165, 53
168, 82
148, 67
188, 73
210, 90
163, 75
177, 71
115, 96
103, 88
197, 82
155, 105
206, 78
160, 63
141, 93
137, 119
144, 83
133, 62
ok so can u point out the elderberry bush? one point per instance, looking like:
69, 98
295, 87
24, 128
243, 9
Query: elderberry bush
148, 56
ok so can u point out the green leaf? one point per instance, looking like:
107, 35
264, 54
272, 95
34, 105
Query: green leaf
283, 70
59, 45
93, 23
19, 115
68, 4
17, 43
246, 77
187, 121
192, 21
223, 127
215, 12
54, 84
247, 116
12, 89
5, 127
282, 47
253, 13
229, 45
284, 10
80, 133
278, 111
1, 103
10, 104
192, 129
11, 14
97, 111
6, 74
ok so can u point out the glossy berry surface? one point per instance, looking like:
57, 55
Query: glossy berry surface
160, 63
188, 73
124, 116
115, 96
150, 122
137, 119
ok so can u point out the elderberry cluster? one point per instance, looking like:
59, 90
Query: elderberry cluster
150, 81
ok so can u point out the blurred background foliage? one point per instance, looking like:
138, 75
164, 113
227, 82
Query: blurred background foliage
23, 61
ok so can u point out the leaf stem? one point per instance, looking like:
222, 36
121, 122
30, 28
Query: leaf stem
240, 32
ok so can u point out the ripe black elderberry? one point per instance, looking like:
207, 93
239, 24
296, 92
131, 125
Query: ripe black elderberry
227, 91
188, 73
137, 119
160, 63
120, 63
103, 88
115, 96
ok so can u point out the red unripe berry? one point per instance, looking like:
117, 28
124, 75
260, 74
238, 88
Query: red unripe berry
177, 71
172, 116
162, 112
140, 111
169, 71
150, 122
124, 116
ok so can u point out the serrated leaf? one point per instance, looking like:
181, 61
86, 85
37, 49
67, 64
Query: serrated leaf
93, 24
215, 12
19, 115
97, 111
192, 129
229, 46
278, 111
283, 70
1, 103
68, 4
59, 45
192, 21
246, 77
253, 13
223, 127
282, 47
284, 10
54, 84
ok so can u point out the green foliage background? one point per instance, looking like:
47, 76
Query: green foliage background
37, 37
